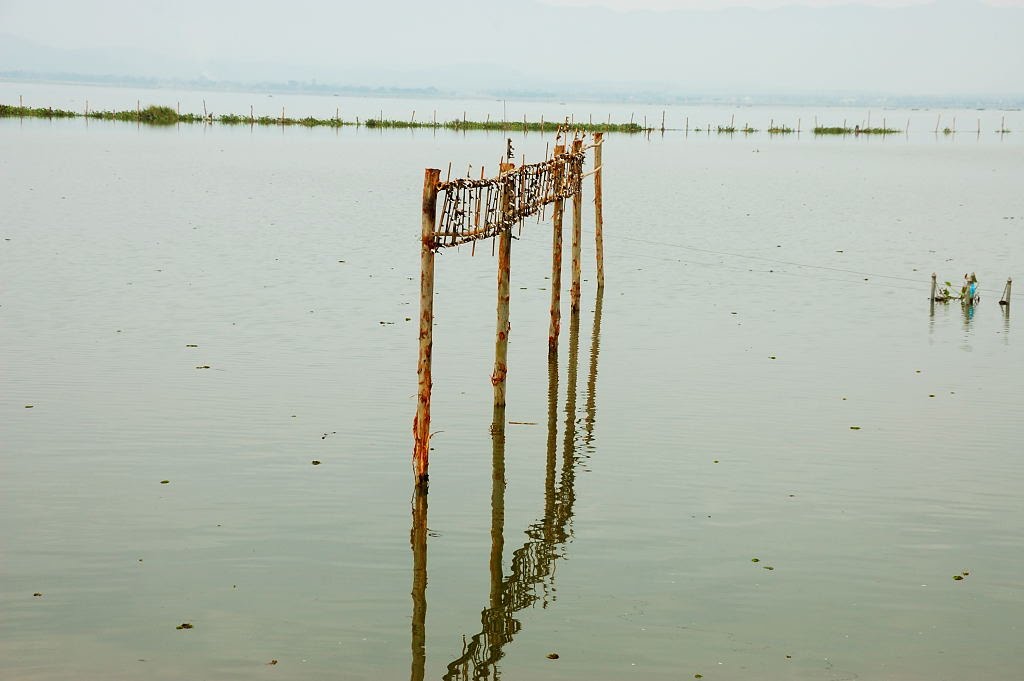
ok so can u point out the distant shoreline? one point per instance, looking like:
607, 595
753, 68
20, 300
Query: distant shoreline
606, 94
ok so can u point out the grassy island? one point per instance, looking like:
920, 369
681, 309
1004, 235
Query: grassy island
165, 115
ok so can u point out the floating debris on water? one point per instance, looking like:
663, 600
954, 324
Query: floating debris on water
272, 662
184, 625
552, 656
165, 482
315, 462
203, 366
854, 427
37, 594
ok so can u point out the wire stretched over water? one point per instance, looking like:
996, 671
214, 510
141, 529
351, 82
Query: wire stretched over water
775, 261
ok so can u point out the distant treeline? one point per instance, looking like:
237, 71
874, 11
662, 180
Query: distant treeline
165, 115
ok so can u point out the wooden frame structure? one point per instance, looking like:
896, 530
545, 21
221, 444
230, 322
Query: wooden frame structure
472, 210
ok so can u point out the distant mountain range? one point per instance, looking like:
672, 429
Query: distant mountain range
25, 61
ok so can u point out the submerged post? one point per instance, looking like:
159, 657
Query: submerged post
931, 299
598, 210
504, 274
421, 425
577, 235
1006, 292
555, 324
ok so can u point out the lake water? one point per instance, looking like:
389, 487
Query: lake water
762, 378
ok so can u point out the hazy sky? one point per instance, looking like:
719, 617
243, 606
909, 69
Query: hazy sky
897, 46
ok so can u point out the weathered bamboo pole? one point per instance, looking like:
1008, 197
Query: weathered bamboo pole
504, 274
598, 209
1005, 300
577, 237
555, 324
418, 540
421, 424
933, 286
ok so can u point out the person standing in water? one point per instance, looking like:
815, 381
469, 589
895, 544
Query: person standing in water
970, 293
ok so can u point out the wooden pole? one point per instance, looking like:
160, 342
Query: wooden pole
933, 286
555, 324
504, 274
598, 209
1006, 292
937, 121
577, 237
421, 424
663, 120
418, 540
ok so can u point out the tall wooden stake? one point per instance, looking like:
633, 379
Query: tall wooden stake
577, 237
555, 324
598, 210
502, 328
421, 425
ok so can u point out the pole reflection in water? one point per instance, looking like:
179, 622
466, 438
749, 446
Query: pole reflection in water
418, 539
595, 347
531, 577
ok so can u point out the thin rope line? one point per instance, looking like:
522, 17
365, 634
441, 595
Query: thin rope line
774, 260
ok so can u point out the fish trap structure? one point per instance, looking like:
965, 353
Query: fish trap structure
465, 210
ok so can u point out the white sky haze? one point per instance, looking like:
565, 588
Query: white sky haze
907, 47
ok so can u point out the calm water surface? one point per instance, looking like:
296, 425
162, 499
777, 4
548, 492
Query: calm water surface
764, 296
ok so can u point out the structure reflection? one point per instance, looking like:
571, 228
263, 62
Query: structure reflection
530, 579
418, 540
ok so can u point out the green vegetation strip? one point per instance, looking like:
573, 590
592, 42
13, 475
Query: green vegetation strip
840, 130
165, 115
